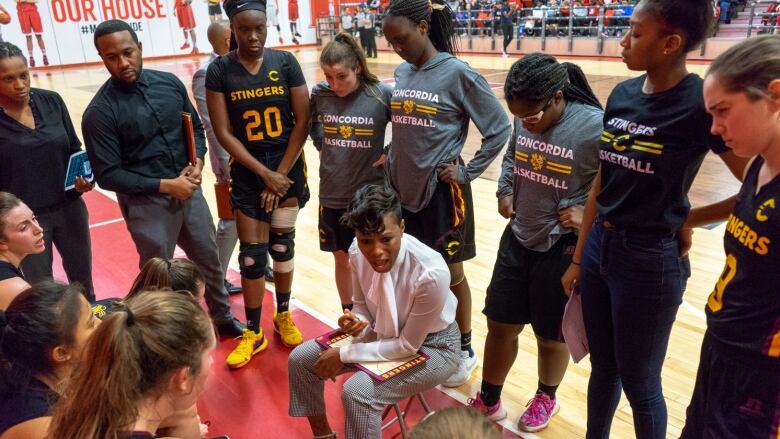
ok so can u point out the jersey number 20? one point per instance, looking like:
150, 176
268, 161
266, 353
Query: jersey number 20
272, 120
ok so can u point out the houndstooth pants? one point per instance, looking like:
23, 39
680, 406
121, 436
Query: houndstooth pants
364, 397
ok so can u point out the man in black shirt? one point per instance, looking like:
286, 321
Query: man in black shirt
135, 141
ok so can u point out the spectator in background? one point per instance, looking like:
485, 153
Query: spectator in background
579, 11
347, 21
369, 26
725, 10
360, 18
507, 12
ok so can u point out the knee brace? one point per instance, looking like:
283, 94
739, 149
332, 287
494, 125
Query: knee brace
282, 250
282, 244
252, 259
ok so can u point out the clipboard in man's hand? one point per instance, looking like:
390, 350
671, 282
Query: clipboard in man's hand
189, 137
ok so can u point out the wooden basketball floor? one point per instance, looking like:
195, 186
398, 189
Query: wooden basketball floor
314, 288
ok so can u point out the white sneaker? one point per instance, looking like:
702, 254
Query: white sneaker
466, 366
504, 55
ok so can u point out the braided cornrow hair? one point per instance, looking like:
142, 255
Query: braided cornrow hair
8, 50
537, 76
438, 15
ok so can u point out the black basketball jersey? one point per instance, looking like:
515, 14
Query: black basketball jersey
743, 310
259, 107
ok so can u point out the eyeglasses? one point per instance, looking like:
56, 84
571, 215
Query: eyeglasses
538, 116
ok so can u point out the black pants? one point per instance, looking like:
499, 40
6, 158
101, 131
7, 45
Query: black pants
67, 227
157, 223
370, 41
362, 37
508, 31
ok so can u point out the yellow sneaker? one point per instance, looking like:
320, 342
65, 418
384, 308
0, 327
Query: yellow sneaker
284, 326
251, 343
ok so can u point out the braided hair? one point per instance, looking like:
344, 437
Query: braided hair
438, 15
536, 78
8, 50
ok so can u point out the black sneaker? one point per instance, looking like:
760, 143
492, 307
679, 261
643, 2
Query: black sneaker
230, 328
269, 274
232, 289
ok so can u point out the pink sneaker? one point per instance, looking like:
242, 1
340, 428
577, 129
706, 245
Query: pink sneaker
494, 412
539, 412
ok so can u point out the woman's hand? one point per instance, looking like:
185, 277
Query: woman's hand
277, 182
268, 200
506, 207
447, 172
82, 185
380, 161
571, 217
685, 240
329, 364
351, 324
570, 278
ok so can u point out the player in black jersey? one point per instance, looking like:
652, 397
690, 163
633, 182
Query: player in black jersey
259, 107
737, 391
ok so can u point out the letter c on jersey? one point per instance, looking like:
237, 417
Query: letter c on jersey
761, 214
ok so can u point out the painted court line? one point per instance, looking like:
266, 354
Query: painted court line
105, 223
694, 310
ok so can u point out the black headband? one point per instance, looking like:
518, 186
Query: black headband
233, 7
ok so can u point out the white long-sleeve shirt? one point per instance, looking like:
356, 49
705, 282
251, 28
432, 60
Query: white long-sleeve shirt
424, 303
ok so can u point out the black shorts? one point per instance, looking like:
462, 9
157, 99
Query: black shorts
215, 9
737, 395
246, 186
526, 285
446, 224
333, 235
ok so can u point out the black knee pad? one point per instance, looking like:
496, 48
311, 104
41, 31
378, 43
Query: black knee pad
256, 251
286, 239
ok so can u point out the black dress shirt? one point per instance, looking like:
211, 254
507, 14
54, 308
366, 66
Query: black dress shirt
134, 133
33, 161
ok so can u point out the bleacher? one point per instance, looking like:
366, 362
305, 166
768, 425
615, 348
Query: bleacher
592, 30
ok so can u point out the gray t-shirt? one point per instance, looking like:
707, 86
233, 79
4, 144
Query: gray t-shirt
431, 108
349, 132
550, 171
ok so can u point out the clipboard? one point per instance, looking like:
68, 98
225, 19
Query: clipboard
378, 370
224, 206
78, 166
573, 326
189, 137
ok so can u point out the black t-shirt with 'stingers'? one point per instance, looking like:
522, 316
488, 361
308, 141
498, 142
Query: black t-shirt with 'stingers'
258, 106
651, 149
